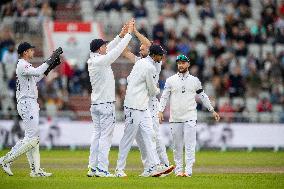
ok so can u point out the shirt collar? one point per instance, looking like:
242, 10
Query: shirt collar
183, 75
94, 54
150, 59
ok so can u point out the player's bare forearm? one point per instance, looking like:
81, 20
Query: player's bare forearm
142, 38
129, 55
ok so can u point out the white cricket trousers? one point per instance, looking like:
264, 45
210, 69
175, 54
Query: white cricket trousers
137, 120
28, 109
184, 135
160, 146
103, 116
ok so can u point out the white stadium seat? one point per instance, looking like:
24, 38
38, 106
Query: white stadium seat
251, 104
201, 49
254, 50
279, 49
266, 49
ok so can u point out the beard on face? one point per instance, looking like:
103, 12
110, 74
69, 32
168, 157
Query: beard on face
182, 70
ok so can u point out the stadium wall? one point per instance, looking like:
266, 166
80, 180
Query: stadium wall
67, 133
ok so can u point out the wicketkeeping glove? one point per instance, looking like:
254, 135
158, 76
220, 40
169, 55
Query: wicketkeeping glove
53, 60
54, 55
53, 65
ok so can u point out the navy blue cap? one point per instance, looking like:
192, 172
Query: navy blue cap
156, 50
96, 44
24, 46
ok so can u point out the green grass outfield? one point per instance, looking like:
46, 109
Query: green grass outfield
213, 169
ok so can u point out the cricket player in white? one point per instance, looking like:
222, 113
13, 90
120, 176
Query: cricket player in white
103, 98
28, 109
182, 88
153, 106
141, 86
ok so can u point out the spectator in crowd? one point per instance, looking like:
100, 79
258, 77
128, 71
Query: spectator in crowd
9, 60
227, 111
159, 31
200, 36
7, 10
253, 81
140, 12
264, 105
206, 11
217, 48
6, 40
31, 9
128, 5
182, 12
45, 12
237, 87
113, 5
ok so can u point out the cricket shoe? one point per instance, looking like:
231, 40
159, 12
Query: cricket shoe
169, 171
6, 167
120, 173
180, 174
102, 173
91, 172
187, 175
40, 173
159, 170
145, 173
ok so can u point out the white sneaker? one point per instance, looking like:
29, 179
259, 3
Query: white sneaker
41, 173
102, 173
120, 173
180, 174
6, 167
145, 174
91, 172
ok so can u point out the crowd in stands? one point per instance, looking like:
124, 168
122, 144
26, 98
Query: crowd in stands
26, 16
236, 48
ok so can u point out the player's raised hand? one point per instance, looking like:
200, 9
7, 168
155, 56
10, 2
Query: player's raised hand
135, 28
124, 30
216, 116
131, 25
161, 117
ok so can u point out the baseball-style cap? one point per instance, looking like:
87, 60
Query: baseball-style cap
96, 44
182, 58
156, 50
23, 47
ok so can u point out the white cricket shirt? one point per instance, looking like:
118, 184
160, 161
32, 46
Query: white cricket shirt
141, 84
100, 72
27, 77
181, 89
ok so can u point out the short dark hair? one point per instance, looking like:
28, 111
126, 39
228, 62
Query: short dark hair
156, 50
96, 44
23, 47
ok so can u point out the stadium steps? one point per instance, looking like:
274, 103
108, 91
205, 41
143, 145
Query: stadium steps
80, 104
64, 12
